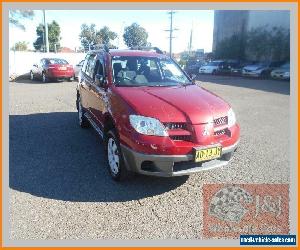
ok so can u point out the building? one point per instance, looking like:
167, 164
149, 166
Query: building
231, 22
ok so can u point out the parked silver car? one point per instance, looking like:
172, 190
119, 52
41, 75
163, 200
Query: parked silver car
283, 72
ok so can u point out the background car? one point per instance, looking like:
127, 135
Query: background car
226, 66
193, 67
262, 69
211, 67
283, 72
77, 68
52, 69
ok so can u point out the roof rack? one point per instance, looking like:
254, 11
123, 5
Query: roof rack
102, 46
157, 50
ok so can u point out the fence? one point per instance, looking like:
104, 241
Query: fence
20, 62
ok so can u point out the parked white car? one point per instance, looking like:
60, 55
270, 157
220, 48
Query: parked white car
210, 67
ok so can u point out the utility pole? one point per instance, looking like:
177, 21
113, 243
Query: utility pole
191, 40
46, 33
171, 30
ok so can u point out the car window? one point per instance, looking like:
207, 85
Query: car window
57, 61
147, 71
90, 65
98, 69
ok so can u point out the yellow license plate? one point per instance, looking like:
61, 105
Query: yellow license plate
206, 154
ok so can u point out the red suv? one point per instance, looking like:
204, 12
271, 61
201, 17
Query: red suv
153, 118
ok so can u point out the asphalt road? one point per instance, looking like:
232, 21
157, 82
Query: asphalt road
60, 187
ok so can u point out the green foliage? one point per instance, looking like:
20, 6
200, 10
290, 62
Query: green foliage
135, 36
257, 44
53, 37
89, 36
20, 46
16, 16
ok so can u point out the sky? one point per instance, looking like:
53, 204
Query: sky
154, 21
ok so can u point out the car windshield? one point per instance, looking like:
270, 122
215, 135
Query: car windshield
57, 61
285, 66
147, 71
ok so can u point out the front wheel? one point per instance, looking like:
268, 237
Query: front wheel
116, 166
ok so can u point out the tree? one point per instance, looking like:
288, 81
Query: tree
135, 36
106, 35
20, 46
53, 37
15, 17
89, 36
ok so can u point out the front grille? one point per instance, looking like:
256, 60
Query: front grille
180, 137
176, 125
221, 121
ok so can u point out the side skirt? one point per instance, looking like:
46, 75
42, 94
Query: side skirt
94, 125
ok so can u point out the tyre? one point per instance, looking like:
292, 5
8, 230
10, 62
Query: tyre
228, 156
214, 72
31, 76
115, 161
44, 77
83, 122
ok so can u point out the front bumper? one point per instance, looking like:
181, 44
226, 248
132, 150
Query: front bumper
170, 165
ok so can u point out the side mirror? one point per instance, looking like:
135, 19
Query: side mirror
99, 80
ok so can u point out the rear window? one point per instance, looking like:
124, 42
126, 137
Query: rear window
57, 61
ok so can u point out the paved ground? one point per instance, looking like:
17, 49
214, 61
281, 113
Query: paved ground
60, 188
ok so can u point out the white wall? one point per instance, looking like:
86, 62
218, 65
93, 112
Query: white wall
21, 62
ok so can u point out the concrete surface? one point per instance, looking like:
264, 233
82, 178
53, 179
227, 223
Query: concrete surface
60, 187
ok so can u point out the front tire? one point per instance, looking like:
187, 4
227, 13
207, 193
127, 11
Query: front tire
115, 161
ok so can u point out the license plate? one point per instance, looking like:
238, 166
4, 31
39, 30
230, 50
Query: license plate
62, 68
206, 154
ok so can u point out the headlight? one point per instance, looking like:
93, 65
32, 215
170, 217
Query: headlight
147, 125
286, 74
231, 118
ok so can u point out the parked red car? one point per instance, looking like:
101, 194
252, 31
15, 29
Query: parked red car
153, 118
52, 69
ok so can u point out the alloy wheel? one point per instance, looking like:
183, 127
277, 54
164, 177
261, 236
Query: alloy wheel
113, 156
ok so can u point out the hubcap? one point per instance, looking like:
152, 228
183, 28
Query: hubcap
113, 156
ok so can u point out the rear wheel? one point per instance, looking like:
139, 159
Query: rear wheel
31, 76
115, 162
44, 77
83, 122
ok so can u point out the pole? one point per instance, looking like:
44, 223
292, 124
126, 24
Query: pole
171, 30
46, 32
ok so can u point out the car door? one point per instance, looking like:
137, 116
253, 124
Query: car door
85, 81
98, 92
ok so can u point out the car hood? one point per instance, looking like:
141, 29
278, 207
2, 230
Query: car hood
190, 103
254, 67
280, 71
209, 67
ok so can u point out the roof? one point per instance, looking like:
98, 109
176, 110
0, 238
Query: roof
129, 52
